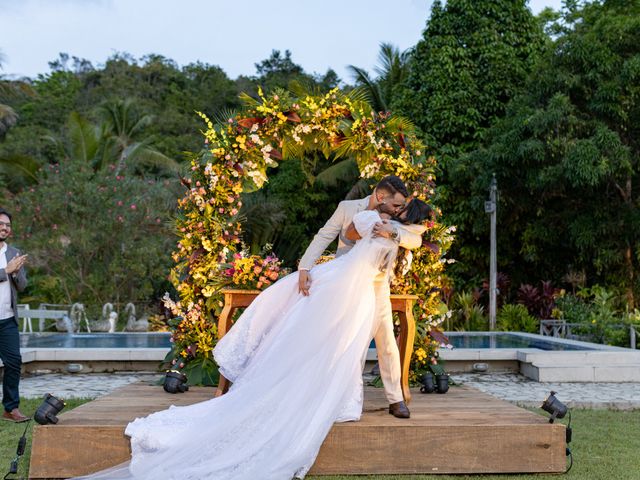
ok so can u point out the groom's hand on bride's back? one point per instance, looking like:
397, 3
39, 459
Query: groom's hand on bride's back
304, 282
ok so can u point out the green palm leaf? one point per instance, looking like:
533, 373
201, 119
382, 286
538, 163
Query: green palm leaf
83, 138
344, 170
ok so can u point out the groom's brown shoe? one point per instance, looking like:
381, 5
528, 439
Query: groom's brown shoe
15, 415
399, 410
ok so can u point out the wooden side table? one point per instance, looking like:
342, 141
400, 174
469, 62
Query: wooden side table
401, 304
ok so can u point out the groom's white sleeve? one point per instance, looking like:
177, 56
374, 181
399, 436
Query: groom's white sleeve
323, 238
410, 236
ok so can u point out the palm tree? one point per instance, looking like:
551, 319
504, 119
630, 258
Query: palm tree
111, 143
122, 127
391, 70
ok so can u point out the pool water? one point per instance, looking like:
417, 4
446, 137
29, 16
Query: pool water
95, 340
475, 340
508, 340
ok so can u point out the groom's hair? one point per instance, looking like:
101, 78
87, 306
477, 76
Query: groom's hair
393, 185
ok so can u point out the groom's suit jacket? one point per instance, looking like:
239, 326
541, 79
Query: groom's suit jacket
17, 280
409, 236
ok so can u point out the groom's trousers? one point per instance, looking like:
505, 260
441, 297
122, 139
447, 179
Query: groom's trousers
386, 345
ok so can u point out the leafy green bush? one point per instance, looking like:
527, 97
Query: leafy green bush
94, 236
600, 314
467, 315
516, 318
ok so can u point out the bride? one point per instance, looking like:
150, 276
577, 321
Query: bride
296, 366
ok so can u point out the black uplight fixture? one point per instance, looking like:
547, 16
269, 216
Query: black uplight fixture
175, 382
557, 409
554, 407
48, 409
426, 379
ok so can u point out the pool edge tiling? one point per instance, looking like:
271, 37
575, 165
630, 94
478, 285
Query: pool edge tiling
591, 363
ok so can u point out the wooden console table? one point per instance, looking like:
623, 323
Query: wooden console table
401, 304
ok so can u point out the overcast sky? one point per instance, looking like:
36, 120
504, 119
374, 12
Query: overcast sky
321, 34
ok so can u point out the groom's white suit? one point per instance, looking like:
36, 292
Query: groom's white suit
409, 237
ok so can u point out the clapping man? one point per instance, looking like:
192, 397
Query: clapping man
12, 280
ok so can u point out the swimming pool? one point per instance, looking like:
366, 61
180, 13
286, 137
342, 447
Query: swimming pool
96, 340
477, 340
459, 340
538, 357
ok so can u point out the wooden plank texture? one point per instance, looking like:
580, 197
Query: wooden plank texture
462, 431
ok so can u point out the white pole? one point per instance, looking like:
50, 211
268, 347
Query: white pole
491, 207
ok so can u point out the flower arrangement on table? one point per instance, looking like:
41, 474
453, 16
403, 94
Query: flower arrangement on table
239, 150
253, 271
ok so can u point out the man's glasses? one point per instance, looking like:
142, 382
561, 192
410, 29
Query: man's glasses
5, 224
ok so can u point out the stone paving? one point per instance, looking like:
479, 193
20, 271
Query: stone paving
80, 385
511, 387
525, 392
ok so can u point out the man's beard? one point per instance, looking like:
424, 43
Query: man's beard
3, 237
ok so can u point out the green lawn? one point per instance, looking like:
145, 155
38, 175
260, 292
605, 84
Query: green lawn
606, 445
10, 434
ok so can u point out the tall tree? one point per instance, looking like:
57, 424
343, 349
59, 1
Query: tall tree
472, 59
567, 154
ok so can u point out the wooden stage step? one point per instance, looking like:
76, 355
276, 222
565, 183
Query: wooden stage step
462, 431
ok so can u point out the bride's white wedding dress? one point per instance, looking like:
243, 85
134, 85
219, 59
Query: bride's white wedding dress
296, 363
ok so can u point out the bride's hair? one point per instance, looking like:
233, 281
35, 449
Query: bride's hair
416, 212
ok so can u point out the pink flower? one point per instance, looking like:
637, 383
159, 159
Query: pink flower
259, 284
120, 203
257, 270
133, 206
54, 226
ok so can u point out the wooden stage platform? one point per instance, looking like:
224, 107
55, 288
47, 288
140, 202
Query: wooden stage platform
462, 431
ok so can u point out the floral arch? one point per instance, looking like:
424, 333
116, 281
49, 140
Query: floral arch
239, 151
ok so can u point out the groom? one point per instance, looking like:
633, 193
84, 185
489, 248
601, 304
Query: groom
389, 196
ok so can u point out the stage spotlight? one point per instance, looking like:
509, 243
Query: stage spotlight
48, 409
175, 382
442, 383
426, 379
555, 407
